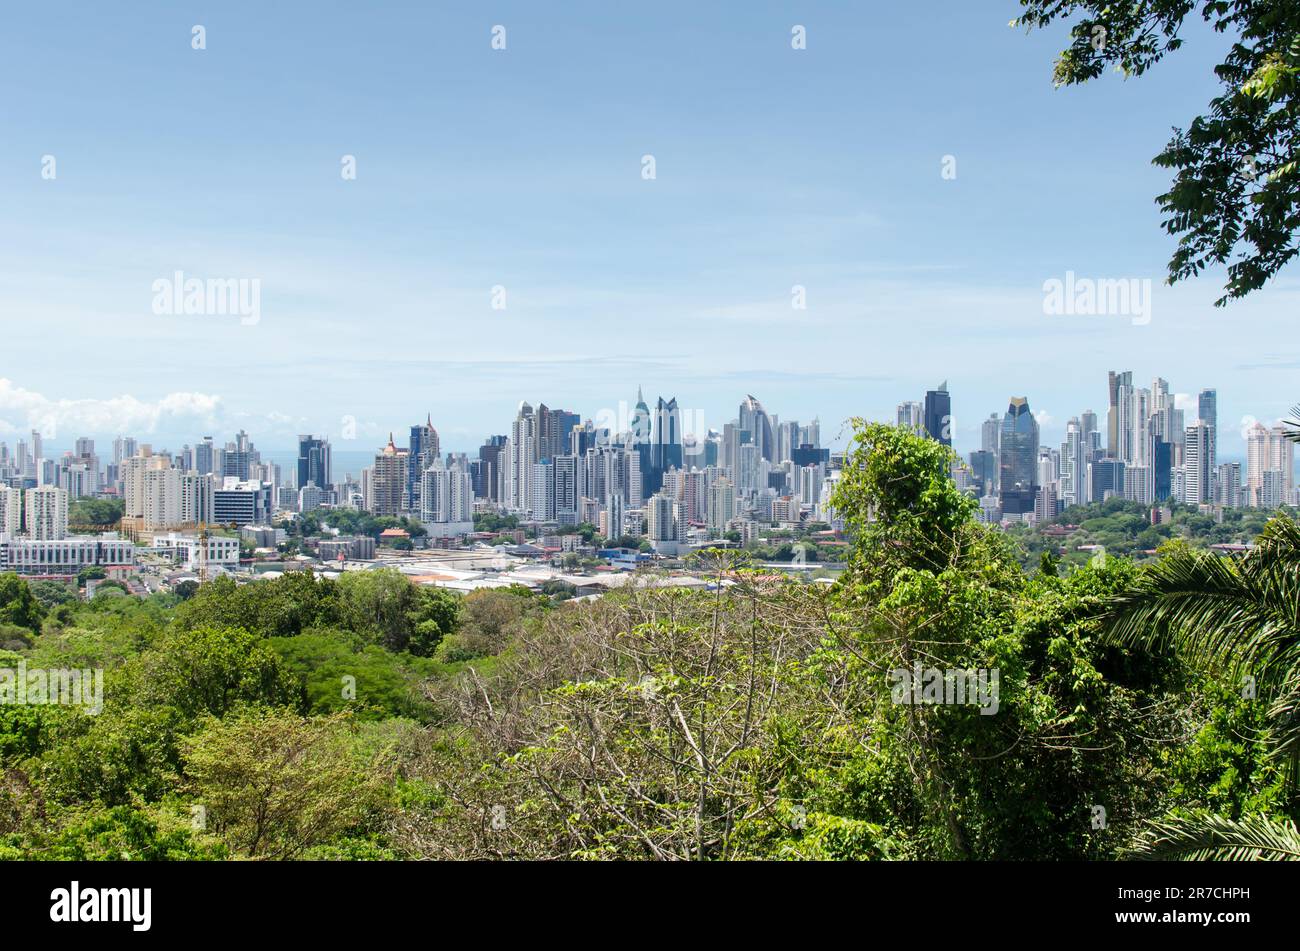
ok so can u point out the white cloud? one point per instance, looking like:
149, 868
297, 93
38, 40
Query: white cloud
120, 414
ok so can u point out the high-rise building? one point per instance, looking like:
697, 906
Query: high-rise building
239, 458
1162, 464
1074, 465
567, 496
447, 499
991, 433
1114, 421
787, 440
124, 447
695, 497
205, 456
754, 420
11, 510
1268, 450
984, 470
1018, 458
1282, 458
1106, 478
554, 427
1197, 475
1208, 406
423, 450
47, 513
388, 480
520, 458
1227, 485
938, 414
911, 415
666, 441
543, 491
663, 527
722, 505
489, 471
313, 463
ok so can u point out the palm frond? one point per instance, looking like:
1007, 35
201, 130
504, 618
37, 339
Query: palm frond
1219, 839
1238, 616
1234, 614
1291, 427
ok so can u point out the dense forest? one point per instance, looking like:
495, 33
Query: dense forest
1138, 709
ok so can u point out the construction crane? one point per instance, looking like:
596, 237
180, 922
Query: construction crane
203, 552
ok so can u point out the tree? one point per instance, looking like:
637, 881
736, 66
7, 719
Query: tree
211, 670
435, 615
931, 593
90, 573
18, 605
52, 593
274, 784
1236, 190
99, 512
1237, 616
379, 603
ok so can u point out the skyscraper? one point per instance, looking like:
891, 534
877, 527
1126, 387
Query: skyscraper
520, 458
1208, 407
388, 480
489, 470
1113, 428
423, 450
1018, 457
566, 489
313, 462
938, 414
47, 513
640, 430
1074, 465
11, 510
666, 445
205, 454
911, 415
754, 420
1197, 475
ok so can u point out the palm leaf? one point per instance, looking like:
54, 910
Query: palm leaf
1240, 616
1292, 426
1219, 839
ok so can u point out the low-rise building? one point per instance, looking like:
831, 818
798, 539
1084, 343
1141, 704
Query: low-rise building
65, 557
223, 552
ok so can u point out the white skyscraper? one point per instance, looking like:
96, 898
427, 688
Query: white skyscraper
1197, 484
11, 510
47, 513
912, 416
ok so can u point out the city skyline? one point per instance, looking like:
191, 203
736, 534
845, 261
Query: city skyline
966, 435
661, 478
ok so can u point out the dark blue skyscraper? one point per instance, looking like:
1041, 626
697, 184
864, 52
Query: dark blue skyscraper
938, 414
1162, 458
313, 462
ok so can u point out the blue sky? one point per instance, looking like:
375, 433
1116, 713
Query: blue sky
522, 168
